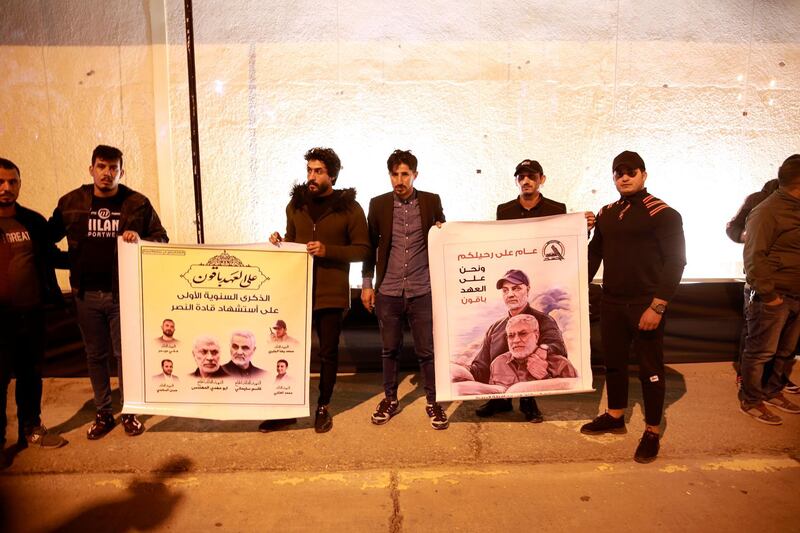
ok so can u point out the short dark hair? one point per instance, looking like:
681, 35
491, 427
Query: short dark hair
109, 153
167, 320
789, 173
9, 165
402, 157
164, 361
284, 361
329, 158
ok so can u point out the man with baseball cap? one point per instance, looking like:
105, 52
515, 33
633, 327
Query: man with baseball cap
530, 203
280, 335
515, 287
640, 241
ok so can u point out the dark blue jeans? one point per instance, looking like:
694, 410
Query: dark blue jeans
98, 319
392, 313
772, 333
21, 353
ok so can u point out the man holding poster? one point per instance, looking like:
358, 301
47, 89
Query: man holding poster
91, 217
640, 241
530, 203
333, 227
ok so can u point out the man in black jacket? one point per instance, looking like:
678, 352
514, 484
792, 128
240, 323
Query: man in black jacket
91, 217
640, 241
27, 283
399, 222
530, 203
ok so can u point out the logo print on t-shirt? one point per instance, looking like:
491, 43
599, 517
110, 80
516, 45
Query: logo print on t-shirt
103, 223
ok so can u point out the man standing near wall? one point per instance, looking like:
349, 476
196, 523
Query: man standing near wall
530, 203
399, 222
640, 241
332, 226
772, 266
735, 230
27, 283
91, 217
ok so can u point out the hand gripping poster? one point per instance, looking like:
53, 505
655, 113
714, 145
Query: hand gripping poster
511, 308
215, 332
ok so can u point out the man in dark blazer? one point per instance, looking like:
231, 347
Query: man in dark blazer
399, 222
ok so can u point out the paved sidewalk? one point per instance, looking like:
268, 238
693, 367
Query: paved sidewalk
718, 469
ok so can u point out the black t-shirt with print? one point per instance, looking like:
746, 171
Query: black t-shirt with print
19, 283
98, 252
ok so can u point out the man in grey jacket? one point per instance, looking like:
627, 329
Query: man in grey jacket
772, 266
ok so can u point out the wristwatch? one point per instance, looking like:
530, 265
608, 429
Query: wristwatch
658, 308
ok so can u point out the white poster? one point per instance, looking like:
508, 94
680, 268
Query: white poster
511, 308
215, 332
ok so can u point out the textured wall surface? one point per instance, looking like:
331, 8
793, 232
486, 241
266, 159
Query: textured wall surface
707, 92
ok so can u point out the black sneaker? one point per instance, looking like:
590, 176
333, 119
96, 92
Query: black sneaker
132, 425
647, 451
605, 423
323, 421
103, 423
531, 411
492, 407
39, 437
385, 411
273, 425
791, 388
437, 416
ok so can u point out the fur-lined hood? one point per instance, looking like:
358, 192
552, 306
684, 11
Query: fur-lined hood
343, 201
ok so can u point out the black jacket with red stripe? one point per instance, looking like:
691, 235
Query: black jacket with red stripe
639, 239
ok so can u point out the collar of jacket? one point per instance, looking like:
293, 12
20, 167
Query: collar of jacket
343, 200
635, 197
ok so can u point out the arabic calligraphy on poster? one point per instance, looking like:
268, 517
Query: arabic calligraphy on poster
223, 331
510, 308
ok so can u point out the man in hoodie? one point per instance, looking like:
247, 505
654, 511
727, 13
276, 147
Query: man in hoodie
91, 217
333, 227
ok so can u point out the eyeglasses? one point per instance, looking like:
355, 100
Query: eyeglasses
622, 171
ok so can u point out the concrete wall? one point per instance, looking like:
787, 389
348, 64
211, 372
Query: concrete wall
707, 92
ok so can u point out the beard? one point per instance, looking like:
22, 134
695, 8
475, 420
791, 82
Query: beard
320, 189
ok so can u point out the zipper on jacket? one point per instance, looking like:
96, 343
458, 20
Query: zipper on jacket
314, 231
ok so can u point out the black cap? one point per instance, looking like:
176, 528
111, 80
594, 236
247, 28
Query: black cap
516, 277
529, 165
632, 160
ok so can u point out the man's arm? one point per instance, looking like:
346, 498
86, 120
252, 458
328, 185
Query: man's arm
155, 231
368, 267
761, 235
672, 244
438, 212
359, 247
481, 364
595, 250
550, 335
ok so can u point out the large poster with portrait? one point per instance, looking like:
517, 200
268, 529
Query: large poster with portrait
215, 332
511, 308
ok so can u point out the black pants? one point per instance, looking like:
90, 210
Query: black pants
619, 326
328, 325
21, 353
